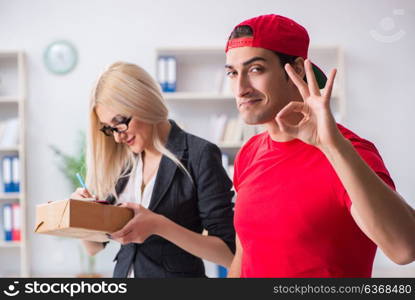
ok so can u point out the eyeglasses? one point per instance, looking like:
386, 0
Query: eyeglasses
122, 126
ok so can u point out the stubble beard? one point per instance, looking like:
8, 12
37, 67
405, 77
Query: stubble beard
258, 117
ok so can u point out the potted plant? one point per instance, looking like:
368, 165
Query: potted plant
69, 166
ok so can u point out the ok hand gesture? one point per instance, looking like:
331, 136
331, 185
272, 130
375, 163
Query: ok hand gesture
317, 127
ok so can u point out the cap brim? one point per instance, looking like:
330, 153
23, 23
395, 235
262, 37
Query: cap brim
321, 78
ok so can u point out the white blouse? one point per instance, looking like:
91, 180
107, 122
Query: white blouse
132, 193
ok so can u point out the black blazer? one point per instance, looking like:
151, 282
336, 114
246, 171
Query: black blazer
204, 204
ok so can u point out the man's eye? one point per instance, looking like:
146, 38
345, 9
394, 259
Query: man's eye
256, 69
230, 73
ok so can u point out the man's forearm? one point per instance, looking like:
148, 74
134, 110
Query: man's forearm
378, 210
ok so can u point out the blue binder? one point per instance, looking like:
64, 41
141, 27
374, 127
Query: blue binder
15, 175
6, 168
171, 74
7, 222
162, 72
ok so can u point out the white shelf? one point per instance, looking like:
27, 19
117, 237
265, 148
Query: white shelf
194, 96
9, 54
4, 244
9, 100
8, 149
10, 196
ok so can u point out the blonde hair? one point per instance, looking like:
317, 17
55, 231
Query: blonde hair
129, 90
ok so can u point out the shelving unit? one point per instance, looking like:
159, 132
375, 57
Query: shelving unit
14, 255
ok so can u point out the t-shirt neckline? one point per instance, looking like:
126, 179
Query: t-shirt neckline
283, 145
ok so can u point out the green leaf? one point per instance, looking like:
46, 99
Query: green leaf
69, 165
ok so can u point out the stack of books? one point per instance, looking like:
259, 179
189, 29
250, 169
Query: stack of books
231, 131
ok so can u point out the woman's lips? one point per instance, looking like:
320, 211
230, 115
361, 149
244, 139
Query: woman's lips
131, 141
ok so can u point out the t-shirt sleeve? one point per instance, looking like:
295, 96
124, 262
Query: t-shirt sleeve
371, 156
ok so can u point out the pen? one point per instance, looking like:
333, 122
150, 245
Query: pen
81, 181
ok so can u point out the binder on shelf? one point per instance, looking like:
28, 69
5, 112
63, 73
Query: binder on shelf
15, 221
161, 72
6, 167
7, 222
171, 74
15, 174
166, 73
217, 127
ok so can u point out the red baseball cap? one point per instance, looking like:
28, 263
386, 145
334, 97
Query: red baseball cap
277, 33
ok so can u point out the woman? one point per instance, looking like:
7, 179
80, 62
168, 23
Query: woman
173, 181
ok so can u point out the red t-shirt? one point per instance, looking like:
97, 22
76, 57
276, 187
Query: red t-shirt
292, 213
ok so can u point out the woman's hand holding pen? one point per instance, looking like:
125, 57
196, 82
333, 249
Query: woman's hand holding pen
140, 227
81, 193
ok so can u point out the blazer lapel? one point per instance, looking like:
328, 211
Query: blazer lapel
176, 143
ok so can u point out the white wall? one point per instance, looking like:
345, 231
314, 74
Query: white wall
379, 79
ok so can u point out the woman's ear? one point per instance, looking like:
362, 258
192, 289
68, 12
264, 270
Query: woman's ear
298, 66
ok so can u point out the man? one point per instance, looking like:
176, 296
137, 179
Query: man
313, 198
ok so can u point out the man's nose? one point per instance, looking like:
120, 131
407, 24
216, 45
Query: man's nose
243, 87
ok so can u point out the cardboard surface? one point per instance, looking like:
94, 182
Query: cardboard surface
81, 219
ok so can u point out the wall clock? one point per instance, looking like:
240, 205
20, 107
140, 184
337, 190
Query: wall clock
60, 57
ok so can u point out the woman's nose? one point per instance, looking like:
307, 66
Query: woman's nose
119, 137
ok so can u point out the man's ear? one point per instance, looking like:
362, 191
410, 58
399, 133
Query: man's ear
298, 66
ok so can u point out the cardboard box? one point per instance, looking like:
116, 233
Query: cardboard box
81, 219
